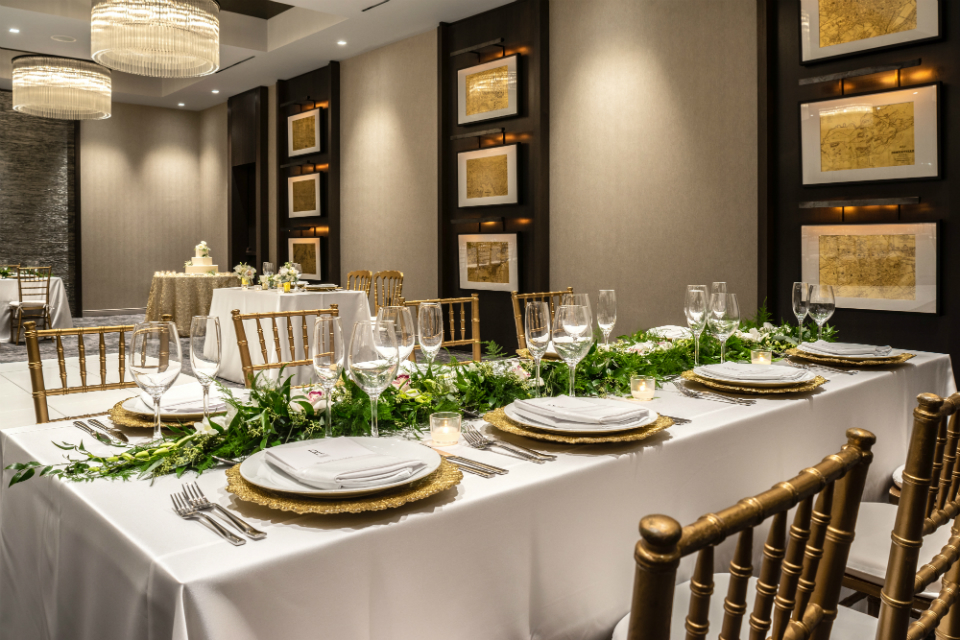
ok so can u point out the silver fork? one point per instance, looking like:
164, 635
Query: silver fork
700, 395
195, 496
478, 441
509, 445
185, 511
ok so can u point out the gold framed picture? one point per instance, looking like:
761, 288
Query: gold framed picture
488, 176
488, 261
487, 91
306, 253
303, 196
303, 133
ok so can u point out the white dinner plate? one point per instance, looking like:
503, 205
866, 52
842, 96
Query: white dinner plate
513, 415
256, 470
823, 354
807, 377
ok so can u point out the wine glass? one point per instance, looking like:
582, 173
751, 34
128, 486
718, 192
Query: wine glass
268, 269
801, 304
724, 318
373, 360
155, 362
696, 312
718, 288
579, 300
536, 331
406, 331
205, 354
328, 355
572, 337
430, 329
607, 313
822, 305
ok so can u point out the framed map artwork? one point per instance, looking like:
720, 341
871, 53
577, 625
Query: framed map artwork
306, 253
303, 133
303, 196
488, 176
836, 28
487, 91
488, 261
887, 267
891, 135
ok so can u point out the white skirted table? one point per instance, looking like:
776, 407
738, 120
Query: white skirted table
544, 552
59, 306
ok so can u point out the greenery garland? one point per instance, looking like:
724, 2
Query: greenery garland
274, 414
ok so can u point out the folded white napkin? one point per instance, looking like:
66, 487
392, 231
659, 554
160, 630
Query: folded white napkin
185, 398
580, 412
340, 463
751, 372
846, 348
671, 332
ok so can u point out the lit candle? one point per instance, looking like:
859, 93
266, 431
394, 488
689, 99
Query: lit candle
759, 356
264, 285
643, 387
445, 428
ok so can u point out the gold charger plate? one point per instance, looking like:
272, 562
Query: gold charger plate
525, 354
446, 476
713, 384
124, 418
499, 419
870, 362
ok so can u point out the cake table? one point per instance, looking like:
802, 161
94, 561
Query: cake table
184, 296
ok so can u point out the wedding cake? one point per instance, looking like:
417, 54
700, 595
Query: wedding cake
201, 261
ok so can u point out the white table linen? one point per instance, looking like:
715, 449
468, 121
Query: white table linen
59, 311
544, 552
352, 308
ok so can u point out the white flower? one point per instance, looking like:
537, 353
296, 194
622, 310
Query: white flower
641, 347
519, 371
671, 332
203, 427
768, 326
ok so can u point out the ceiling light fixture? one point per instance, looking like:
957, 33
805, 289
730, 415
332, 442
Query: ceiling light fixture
215, 91
181, 105
63, 88
157, 38
341, 42
63, 38
14, 30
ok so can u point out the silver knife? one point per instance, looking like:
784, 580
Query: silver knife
113, 431
96, 434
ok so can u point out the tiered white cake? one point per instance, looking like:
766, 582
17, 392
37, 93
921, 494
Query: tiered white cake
201, 261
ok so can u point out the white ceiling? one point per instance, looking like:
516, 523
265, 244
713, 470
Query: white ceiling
294, 42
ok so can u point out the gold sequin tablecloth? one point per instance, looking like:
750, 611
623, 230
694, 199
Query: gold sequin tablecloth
184, 296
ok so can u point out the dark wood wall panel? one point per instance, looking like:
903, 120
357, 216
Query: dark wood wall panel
248, 222
781, 188
523, 26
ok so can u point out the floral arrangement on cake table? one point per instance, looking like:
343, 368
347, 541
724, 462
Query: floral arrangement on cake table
202, 250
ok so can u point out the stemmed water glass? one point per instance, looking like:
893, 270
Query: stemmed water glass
328, 355
718, 288
801, 304
205, 353
822, 305
607, 313
572, 337
724, 319
155, 362
430, 329
695, 309
373, 360
406, 331
536, 331
268, 269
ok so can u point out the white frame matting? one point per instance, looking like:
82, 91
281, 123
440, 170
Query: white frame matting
510, 239
316, 243
512, 196
313, 113
513, 81
315, 177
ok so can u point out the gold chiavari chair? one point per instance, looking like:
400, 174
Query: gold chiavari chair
387, 289
798, 588
450, 336
932, 463
33, 299
40, 392
553, 298
249, 368
359, 281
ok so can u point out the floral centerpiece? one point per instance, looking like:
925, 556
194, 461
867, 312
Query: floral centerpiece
287, 273
245, 272
202, 250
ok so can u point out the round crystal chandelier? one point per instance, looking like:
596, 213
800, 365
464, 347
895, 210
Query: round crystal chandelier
158, 38
64, 88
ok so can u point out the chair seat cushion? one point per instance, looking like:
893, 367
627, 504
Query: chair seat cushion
898, 476
27, 303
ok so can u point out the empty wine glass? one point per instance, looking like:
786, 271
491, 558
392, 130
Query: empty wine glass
724, 318
801, 304
373, 360
430, 329
572, 337
268, 269
607, 313
536, 331
718, 288
579, 300
822, 305
155, 362
328, 356
695, 309
205, 354
406, 331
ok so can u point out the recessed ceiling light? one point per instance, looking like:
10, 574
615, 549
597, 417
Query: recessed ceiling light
14, 30
180, 105
215, 91
63, 38
341, 42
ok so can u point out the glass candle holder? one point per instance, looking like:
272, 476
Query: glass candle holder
759, 356
445, 428
643, 387
264, 285
286, 287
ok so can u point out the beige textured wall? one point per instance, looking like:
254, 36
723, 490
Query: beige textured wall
214, 182
653, 171
389, 150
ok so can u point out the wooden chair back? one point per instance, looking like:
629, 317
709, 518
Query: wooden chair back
457, 310
33, 285
799, 581
928, 500
250, 369
40, 392
520, 300
360, 281
387, 289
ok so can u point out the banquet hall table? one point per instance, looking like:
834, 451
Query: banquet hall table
185, 295
544, 552
59, 306
352, 307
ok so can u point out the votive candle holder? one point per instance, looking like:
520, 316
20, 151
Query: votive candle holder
643, 387
445, 428
760, 356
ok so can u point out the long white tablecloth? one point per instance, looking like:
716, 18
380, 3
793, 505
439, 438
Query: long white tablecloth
59, 311
352, 307
544, 552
